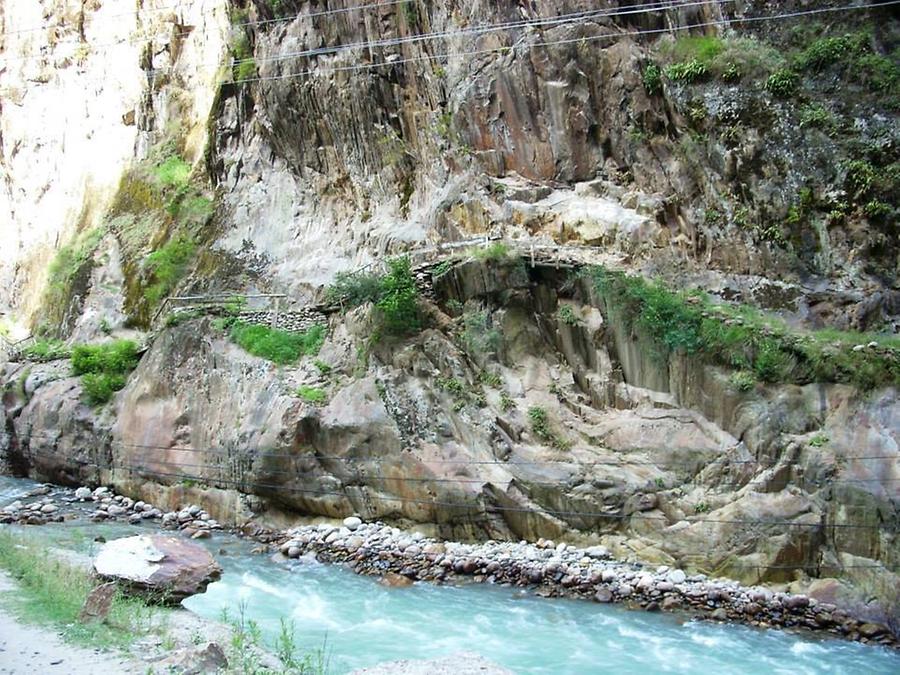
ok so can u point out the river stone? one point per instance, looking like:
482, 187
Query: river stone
394, 580
194, 661
676, 577
49, 508
83, 493
352, 523
166, 568
871, 630
603, 595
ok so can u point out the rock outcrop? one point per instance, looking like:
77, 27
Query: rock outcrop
166, 569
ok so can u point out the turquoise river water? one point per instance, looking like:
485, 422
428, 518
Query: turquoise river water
362, 623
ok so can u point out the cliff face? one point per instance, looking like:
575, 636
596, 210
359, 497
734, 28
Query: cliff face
231, 147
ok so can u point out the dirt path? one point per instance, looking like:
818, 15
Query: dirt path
28, 649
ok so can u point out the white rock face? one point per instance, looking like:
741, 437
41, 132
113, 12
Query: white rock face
77, 111
134, 558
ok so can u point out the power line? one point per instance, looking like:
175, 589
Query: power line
292, 17
242, 485
419, 37
583, 39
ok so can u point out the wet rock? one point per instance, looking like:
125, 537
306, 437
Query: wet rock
165, 568
352, 523
676, 576
603, 595
394, 580
83, 493
872, 630
49, 508
670, 603
719, 614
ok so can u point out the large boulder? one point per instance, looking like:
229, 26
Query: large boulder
166, 568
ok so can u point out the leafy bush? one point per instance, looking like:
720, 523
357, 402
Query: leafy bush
687, 72
860, 177
817, 116
312, 394
652, 76
398, 303
354, 288
477, 335
824, 52
541, 427
99, 387
104, 368
119, 357
818, 440
743, 381
323, 367
278, 346
566, 315
782, 83
245, 70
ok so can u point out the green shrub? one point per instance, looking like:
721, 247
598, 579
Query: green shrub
491, 379
398, 304
782, 83
118, 357
478, 336
245, 70
817, 116
312, 394
687, 72
860, 177
824, 52
819, 440
354, 288
278, 346
166, 266
506, 402
566, 315
104, 368
541, 427
99, 388
652, 77
323, 367
703, 48
743, 380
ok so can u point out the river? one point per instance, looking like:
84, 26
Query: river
363, 623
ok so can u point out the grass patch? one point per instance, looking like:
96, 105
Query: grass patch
741, 337
278, 346
687, 72
52, 593
312, 394
46, 350
104, 368
498, 252
541, 427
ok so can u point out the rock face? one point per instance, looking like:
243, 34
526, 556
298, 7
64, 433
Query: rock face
165, 568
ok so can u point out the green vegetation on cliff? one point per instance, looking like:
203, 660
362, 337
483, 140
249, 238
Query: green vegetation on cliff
104, 368
394, 294
743, 338
278, 346
69, 269
159, 217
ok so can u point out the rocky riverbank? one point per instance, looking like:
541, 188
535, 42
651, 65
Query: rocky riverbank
561, 570
551, 569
